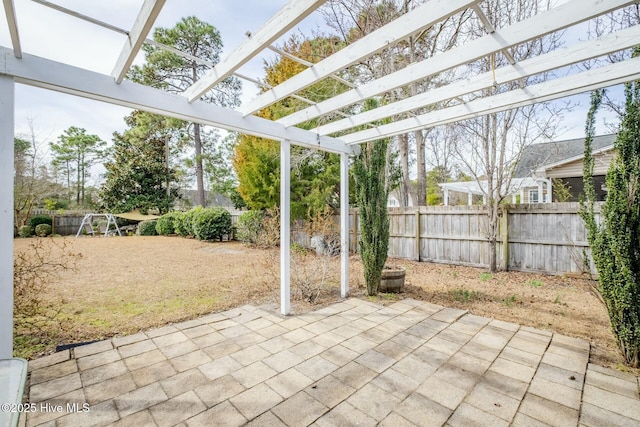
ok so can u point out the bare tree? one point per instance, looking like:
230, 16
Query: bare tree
354, 19
609, 23
490, 146
31, 183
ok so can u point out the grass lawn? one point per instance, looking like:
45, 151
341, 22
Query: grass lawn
123, 285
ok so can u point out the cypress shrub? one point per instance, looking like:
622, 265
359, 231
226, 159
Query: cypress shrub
614, 242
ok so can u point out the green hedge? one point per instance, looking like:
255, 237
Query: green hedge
211, 223
147, 228
167, 223
40, 219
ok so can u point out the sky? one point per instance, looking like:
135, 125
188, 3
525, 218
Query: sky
51, 34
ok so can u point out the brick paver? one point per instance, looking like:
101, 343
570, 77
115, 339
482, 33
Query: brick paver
351, 363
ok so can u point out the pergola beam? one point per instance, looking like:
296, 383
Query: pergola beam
539, 25
407, 24
47, 74
294, 12
10, 13
585, 81
144, 22
623, 39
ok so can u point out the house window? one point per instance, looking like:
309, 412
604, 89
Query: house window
533, 196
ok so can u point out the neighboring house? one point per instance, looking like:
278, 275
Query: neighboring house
394, 200
563, 161
188, 200
540, 164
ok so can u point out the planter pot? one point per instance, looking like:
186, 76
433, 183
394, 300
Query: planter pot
392, 279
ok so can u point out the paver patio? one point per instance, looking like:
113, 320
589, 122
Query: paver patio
351, 363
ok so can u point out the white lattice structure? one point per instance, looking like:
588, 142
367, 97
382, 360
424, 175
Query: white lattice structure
17, 66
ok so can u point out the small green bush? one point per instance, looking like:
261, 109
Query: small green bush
43, 230
249, 226
25, 231
211, 223
147, 228
166, 223
40, 219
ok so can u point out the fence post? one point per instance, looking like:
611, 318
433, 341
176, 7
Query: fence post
504, 234
417, 243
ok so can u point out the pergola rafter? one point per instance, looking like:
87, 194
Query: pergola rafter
542, 24
280, 23
144, 22
558, 88
583, 51
10, 13
405, 25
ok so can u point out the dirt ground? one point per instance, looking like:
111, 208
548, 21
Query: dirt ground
124, 285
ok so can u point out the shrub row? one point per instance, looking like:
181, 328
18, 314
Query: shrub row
201, 223
39, 225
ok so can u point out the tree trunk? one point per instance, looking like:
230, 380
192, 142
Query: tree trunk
421, 199
405, 184
78, 182
200, 198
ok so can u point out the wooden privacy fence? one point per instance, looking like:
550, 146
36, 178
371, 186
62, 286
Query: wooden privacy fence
546, 238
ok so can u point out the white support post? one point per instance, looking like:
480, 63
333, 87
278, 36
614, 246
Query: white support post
344, 225
7, 88
521, 195
285, 227
549, 191
513, 199
446, 196
540, 192
470, 198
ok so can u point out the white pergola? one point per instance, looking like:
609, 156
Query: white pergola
17, 66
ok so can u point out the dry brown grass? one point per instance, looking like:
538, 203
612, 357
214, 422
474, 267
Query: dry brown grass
124, 285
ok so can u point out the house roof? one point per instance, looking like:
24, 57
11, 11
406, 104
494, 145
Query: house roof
213, 199
480, 187
537, 156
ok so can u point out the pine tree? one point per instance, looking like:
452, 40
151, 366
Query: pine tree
175, 73
76, 151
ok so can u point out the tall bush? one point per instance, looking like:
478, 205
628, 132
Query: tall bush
211, 223
249, 226
614, 242
371, 188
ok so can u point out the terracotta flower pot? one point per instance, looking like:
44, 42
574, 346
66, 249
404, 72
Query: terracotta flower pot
392, 279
